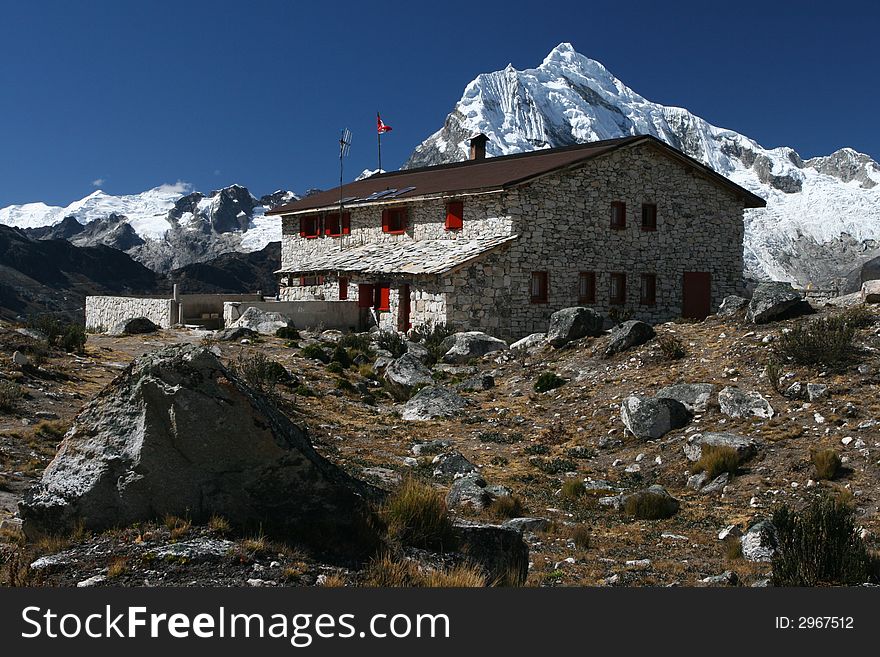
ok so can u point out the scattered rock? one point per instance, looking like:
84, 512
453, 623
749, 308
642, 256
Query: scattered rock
727, 578
406, 374
795, 391
468, 345
760, 542
433, 402
53, 561
694, 396
573, 324
33, 334
816, 391
197, 549
471, 492
628, 335
499, 551
697, 481
530, 343
871, 291
91, 581
430, 447
20, 359
716, 485
482, 382
178, 433
745, 448
772, 300
527, 525
731, 305
453, 463
234, 334
418, 351
652, 417
730, 531
737, 403
262, 321
134, 326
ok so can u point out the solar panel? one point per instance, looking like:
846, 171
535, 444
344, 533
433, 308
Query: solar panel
400, 192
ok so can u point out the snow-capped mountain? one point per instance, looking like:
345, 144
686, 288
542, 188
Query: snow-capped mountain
822, 218
164, 228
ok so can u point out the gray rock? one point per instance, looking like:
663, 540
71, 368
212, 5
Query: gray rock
772, 300
727, 578
871, 291
737, 403
795, 390
731, 305
697, 481
499, 551
234, 334
745, 448
628, 335
94, 580
177, 433
20, 359
452, 463
33, 334
694, 396
419, 351
527, 525
732, 531
469, 492
134, 326
469, 345
652, 417
573, 324
197, 549
433, 402
482, 382
530, 343
53, 561
760, 542
816, 391
405, 374
716, 485
263, 322
430, 447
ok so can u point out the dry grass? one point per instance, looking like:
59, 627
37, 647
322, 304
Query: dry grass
717, 459
463, 576
649, 506
732, 548
334, 581
10, 396
416, 515
219, 524
386, 571
506, 506
573, 489
826, 463
581, 536
118, 567
179, 527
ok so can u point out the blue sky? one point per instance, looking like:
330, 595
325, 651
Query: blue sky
129, 95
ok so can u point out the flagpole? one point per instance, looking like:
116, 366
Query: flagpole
379, 142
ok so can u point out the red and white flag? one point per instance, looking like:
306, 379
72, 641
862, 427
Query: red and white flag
381, 127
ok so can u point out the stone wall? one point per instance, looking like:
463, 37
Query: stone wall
342, 315
103, 312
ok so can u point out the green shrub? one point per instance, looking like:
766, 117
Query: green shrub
10, 396
858, 316
819, 545
717, 459
548, 381
391, 341
827, 341
60, 333
287, 333
573, 489
826, 462
358, 343
553, 466
259, 371
432, 335
340, 355
536, 450
315, 352
671, 347
345, 385
335, 368
73, 339
416, 515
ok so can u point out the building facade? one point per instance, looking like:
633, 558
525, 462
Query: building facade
630, 227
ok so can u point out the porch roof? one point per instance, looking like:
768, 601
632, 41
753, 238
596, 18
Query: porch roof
402, 257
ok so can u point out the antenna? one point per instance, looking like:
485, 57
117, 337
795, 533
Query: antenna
344, 147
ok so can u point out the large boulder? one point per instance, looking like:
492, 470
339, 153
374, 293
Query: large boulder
652, 417
573, 324
871, 292
760, 542
433, 402
235, 334
262, 321
134, 326
469, 345
694, 396
405, 374
731, 305
745, 448
471, 492
650, 503
772, 300
530, 343
737, 403
627, 335
178, 433
499, 551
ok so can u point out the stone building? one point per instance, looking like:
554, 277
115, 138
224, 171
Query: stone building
631, 227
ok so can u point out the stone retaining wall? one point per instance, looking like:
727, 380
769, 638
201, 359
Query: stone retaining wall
104, 312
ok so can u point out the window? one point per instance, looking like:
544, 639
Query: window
394, 221
617, 291
311, 280
539, 287
648, 296
332, 226
454, 215
365, 295
383, 297
308, 226
649, 216
343, 288
587, 287
618, 215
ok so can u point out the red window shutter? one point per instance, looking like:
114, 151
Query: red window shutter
365, 295
331, 224
302, 226
454, 215
343, 289
346, 223
384, 297
385, 220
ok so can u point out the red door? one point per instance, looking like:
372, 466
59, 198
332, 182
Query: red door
696, 298
403, 320
365, 295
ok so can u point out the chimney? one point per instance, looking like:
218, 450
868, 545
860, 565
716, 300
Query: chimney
478, 146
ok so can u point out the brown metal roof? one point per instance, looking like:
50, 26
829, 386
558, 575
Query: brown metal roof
489, 174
